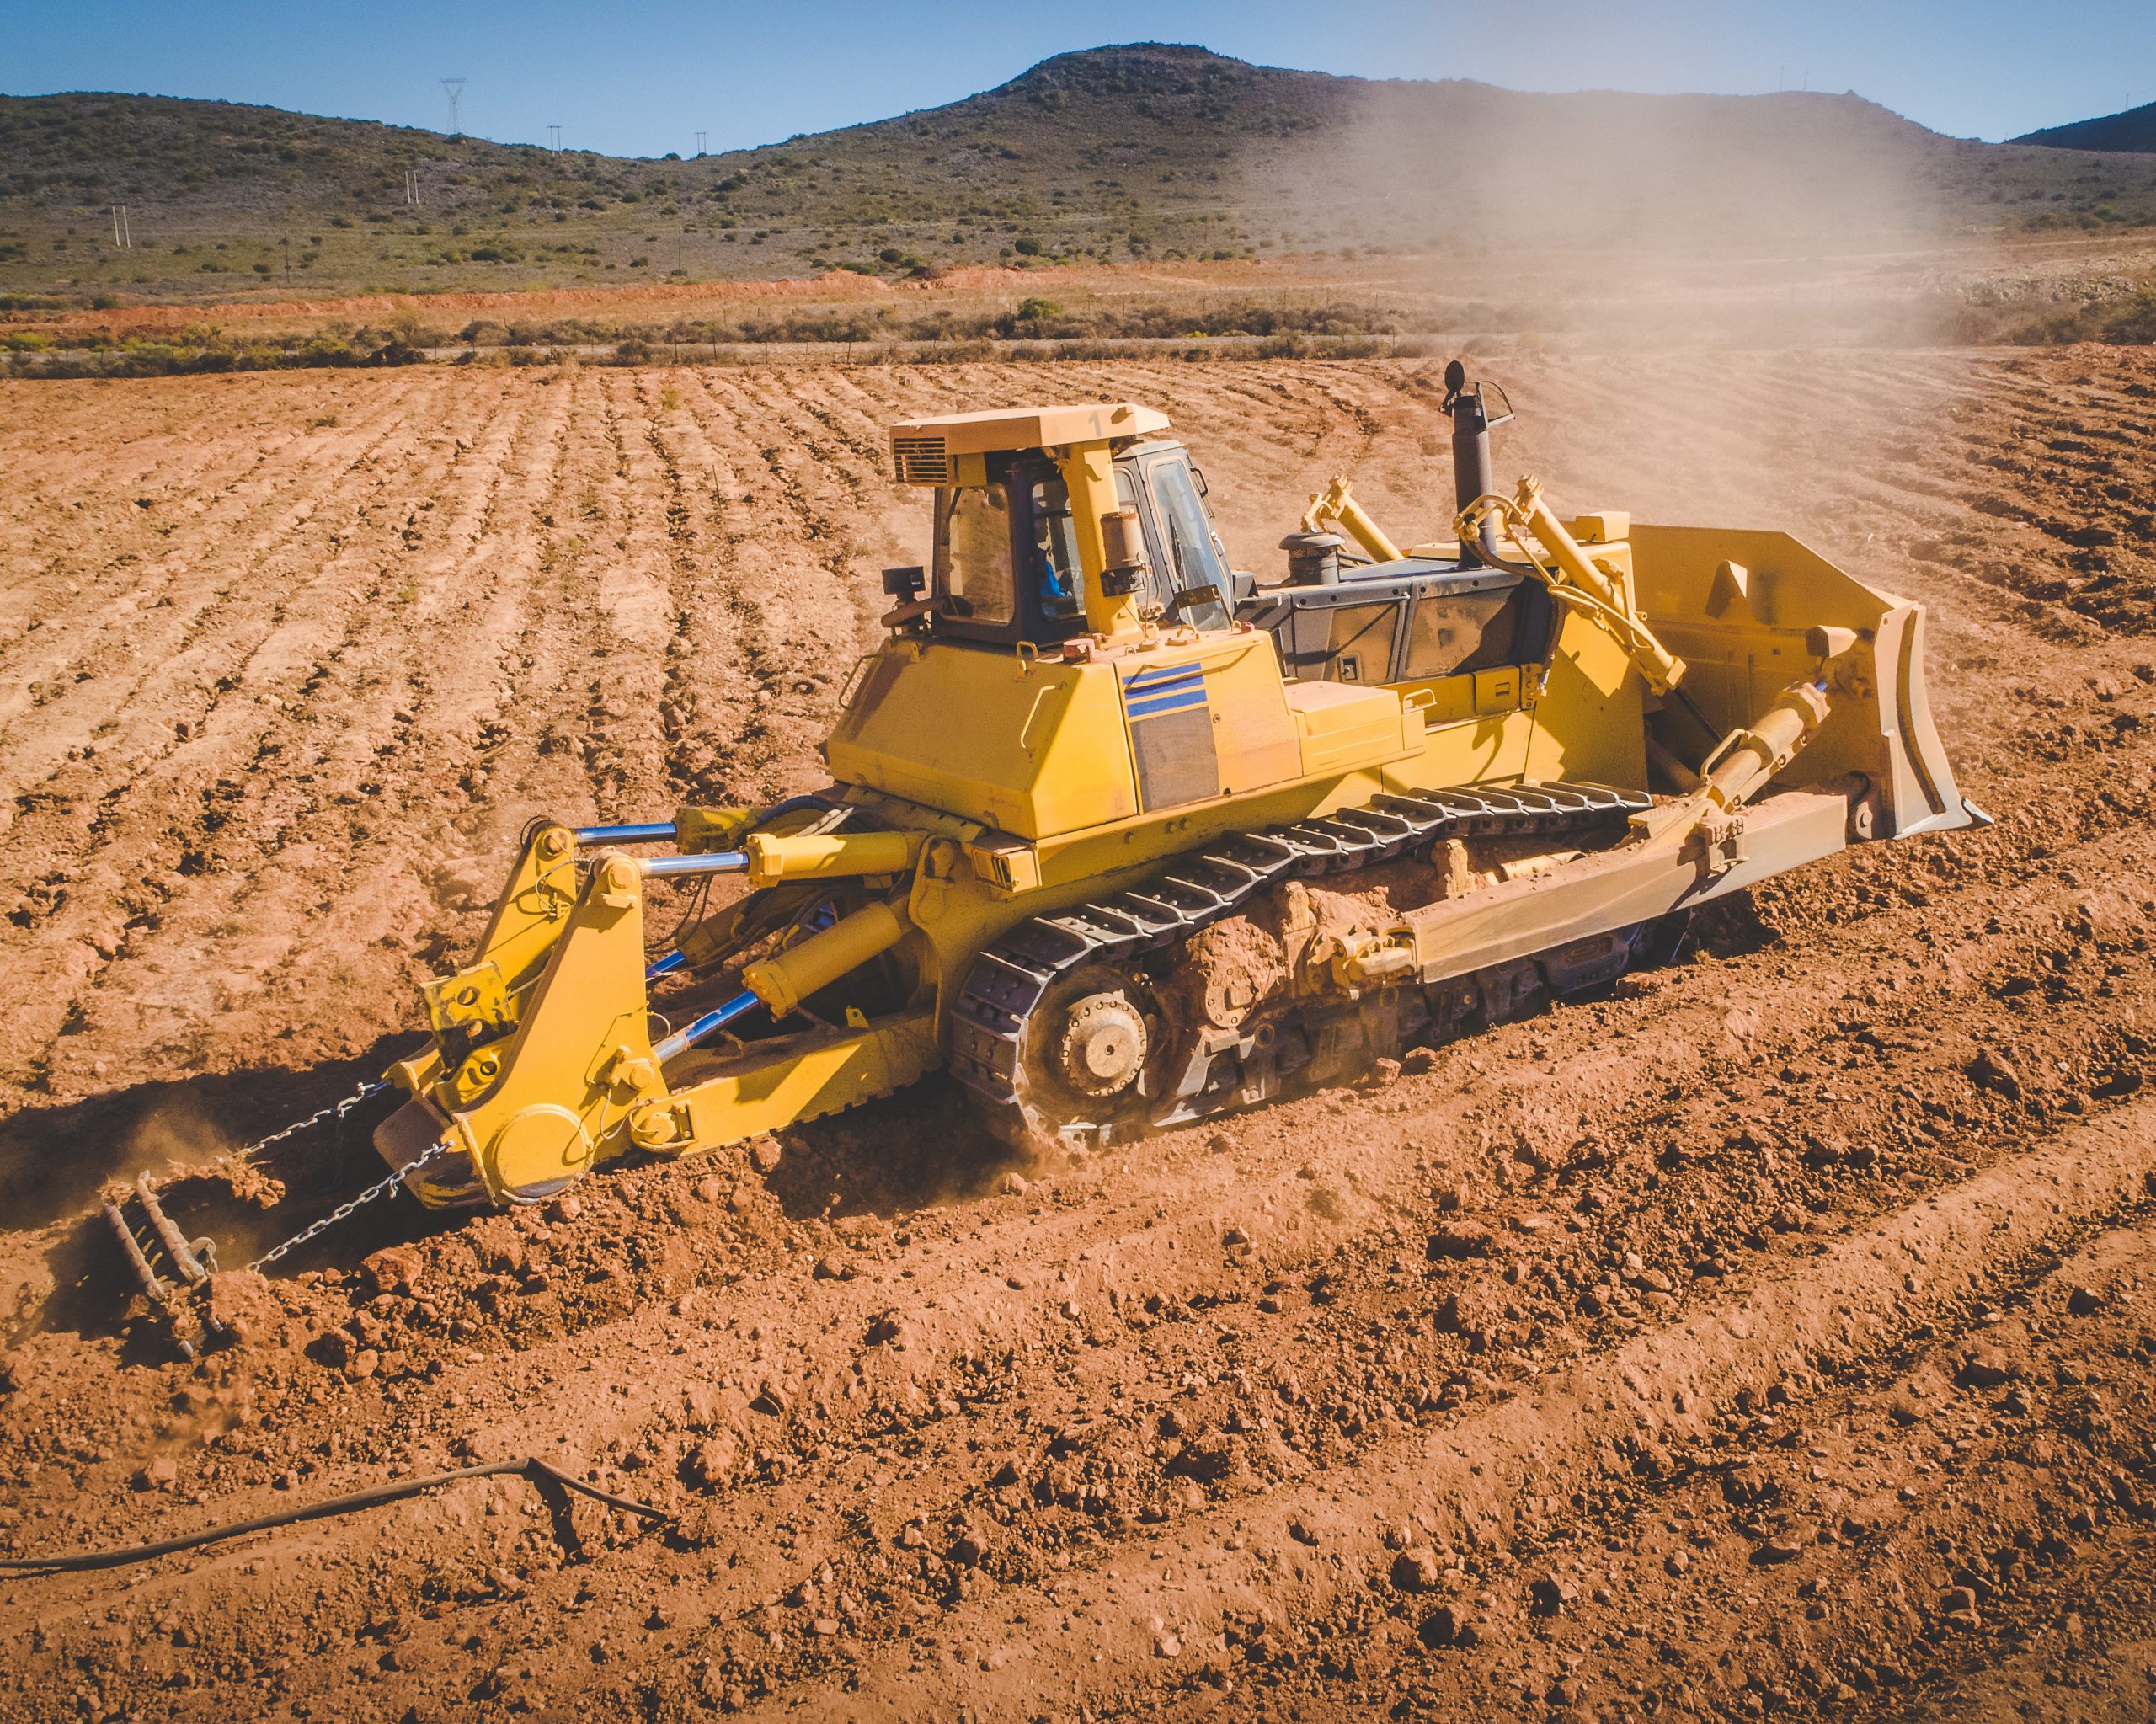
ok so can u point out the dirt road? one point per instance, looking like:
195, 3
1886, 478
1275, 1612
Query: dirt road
1769, 1338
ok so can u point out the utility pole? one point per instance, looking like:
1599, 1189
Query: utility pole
701, 137
453, 88
412, 187
288, 260
123, 235
554, 139
680, 240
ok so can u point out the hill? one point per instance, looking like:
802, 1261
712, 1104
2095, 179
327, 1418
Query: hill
2133, 132
1139, 151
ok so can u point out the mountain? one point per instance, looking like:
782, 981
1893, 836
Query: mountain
1144, 151
2133, 132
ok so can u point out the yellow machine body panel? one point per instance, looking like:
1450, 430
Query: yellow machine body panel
1045, 748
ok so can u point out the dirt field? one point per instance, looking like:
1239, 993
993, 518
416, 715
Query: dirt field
1768, 1338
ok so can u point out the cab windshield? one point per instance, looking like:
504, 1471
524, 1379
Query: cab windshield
1198, 578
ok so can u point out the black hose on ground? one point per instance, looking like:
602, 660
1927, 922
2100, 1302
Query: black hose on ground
531, 1467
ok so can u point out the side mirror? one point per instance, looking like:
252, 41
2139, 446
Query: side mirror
904, 583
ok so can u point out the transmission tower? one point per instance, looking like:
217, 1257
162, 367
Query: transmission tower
453, 88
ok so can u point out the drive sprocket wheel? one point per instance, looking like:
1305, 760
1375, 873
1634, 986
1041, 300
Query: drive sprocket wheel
1086, 1050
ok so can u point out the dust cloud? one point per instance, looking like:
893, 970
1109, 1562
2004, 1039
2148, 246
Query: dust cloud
1605, 218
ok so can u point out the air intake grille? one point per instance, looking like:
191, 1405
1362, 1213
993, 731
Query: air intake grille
921, 460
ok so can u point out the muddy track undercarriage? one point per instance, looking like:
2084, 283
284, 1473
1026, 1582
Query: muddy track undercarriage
1085, 1025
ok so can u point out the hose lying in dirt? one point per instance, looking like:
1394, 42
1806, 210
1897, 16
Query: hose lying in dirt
531, 1467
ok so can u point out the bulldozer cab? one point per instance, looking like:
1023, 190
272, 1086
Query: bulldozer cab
1007, 563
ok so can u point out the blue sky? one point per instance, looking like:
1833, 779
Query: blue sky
643, 77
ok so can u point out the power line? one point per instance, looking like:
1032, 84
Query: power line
453, 88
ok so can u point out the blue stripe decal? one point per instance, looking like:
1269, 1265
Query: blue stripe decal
1178, 703
1146, 681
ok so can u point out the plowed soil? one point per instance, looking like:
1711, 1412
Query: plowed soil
1769, 1337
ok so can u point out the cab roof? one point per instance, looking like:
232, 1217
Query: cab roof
1011, 428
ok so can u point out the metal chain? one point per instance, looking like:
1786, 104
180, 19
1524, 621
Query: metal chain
344, 1210
334, 1110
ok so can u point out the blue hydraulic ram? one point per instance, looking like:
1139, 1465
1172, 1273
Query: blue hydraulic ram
658, 833
712, 1021
715, 862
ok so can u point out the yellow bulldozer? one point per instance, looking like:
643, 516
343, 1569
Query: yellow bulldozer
1124, 839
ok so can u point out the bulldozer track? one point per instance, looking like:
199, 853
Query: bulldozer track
1015, 973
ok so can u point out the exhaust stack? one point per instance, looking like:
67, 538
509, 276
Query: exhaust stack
1472, 474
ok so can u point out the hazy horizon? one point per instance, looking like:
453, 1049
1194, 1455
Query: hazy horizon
647, 79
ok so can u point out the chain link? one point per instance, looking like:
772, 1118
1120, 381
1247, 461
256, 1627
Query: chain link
336, 1110
380, 1189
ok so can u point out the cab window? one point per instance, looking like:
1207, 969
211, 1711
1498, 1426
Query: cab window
1452, 632
1056, 569
973, 553
1359, 645
1194, 558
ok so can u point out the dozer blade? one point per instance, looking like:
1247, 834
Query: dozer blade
1750, 612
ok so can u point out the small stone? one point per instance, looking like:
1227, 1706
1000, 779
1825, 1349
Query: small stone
395, 1269
1417, 1571
712, 1462
1453, 1199
825, 1626
161, 1474
711, 1189
970, 1549
1443, 1627
1958, 1598
1777, 1550
1985, 1367
1015, 1185
1385, 1072
1166, 1645
834, 1269
1418, 1061
1233, 1236
1301, 1532
1400, 1537
1990, 1071
363, 1364
240, 1303
1676, 1563
2084, 1301
565, 1209
1551, 1593
1460, 1239
766, 1153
